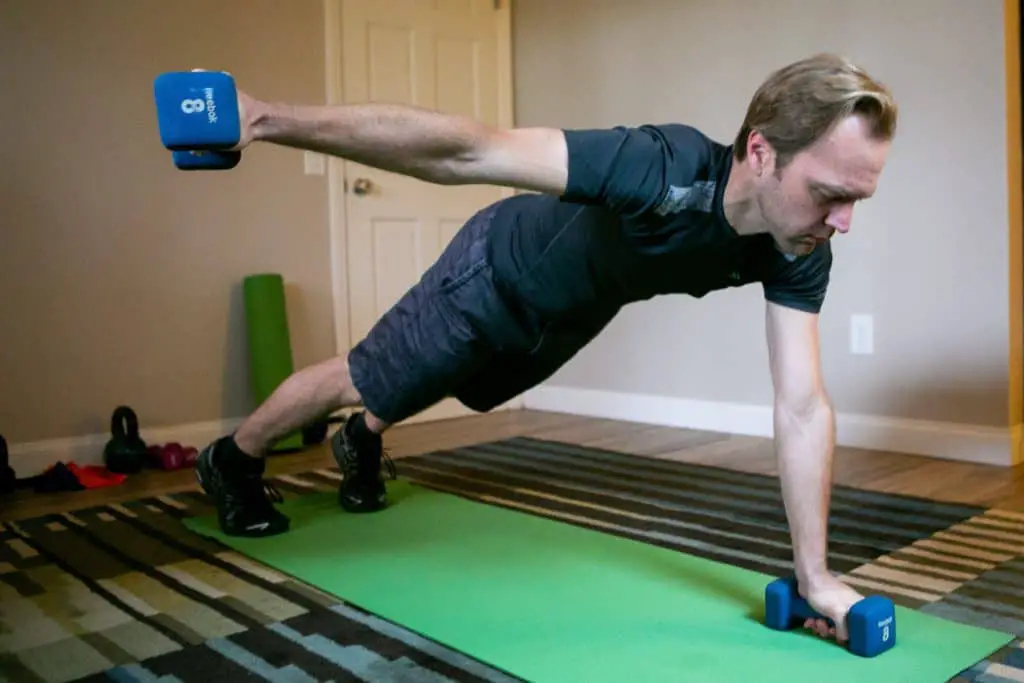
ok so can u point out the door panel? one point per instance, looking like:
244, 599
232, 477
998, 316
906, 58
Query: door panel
437, 54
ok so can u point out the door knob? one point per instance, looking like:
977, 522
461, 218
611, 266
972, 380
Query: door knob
362, 186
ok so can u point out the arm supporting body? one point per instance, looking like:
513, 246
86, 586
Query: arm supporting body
804, 436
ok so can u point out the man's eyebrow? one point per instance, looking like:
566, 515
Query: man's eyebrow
837, 191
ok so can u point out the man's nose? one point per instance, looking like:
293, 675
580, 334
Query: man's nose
840, 218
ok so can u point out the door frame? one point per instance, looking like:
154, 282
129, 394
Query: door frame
1013, 20
335, 167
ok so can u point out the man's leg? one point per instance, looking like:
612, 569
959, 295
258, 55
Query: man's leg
437, 335
231, 469
308, 395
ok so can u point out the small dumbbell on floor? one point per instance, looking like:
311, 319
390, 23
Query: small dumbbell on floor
871, 622
198, 118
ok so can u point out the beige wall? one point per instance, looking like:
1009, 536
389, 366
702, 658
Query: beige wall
119, 275
927, 257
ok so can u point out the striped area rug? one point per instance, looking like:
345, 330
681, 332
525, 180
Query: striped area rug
125, 593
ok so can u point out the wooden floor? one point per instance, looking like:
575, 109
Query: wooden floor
889, 472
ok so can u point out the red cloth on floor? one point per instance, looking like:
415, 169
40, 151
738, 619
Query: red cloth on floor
95, 476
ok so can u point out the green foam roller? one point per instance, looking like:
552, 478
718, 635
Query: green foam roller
270, 348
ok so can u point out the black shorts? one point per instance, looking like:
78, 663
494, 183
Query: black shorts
456, 333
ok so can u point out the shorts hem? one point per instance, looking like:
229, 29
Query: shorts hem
372, 404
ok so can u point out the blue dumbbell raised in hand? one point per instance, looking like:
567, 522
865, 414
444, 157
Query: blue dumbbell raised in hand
198, 118
871, 622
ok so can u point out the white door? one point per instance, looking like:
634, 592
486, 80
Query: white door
447, 55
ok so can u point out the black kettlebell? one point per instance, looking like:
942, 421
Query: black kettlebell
8, 480
125, 453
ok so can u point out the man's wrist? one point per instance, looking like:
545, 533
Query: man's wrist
814, 575
261, 118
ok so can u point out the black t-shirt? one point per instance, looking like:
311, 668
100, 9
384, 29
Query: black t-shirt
641, 216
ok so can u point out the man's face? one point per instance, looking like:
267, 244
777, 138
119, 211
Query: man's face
812, 197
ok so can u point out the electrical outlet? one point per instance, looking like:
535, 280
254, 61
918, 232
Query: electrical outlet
314, 163
862, 334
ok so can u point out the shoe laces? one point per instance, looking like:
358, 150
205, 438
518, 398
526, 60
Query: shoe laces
255, 493
271, 492
356, 466
389, 464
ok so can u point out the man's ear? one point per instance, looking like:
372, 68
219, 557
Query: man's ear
760, 154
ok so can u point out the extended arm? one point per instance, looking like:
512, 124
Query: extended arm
432, 146
804, 436
629, 170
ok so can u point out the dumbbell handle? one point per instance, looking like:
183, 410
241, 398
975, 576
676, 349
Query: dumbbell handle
786, 608
801, 609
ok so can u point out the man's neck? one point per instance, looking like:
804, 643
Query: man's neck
738, 203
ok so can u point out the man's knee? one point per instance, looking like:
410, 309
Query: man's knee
334, 376
384, 379
503, 379
343, 375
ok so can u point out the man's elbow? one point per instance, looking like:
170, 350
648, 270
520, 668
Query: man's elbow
533, 159
805, 407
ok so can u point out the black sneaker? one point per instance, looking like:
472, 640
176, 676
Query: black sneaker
244, 501
359, 460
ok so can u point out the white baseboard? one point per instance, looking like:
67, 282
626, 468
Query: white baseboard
968, 443
33, 457
950, 441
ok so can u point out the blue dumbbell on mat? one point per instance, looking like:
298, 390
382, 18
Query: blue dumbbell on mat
205, 160
871, 622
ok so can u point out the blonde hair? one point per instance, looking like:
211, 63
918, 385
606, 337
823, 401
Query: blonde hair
799, 103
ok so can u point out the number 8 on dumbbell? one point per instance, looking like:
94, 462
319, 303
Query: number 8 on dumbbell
193, 106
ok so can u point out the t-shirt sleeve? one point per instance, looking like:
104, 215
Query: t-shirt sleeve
802, 283
630, 170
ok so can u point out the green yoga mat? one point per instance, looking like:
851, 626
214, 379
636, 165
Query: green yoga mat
551, 602
269, 342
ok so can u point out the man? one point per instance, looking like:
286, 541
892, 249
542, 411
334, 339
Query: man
614, 216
